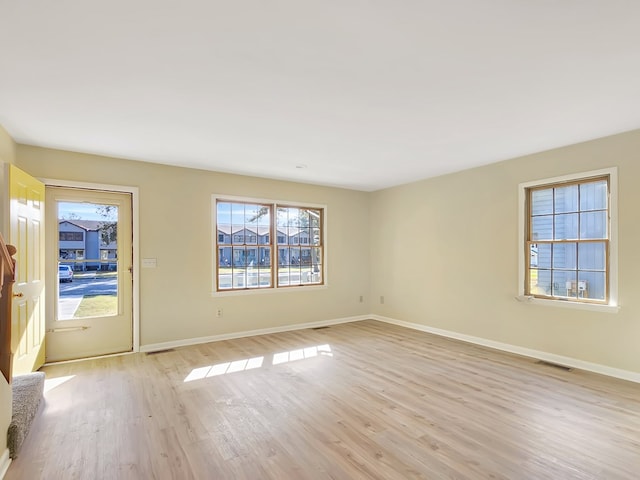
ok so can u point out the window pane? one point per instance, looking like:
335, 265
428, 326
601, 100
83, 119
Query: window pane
224, 277
303, 216
540, 282
239, 277
264, 220
566, 226
593, 196
251, 257
282, 217
225, 256
237, 213
316, 240
316, 259
314, 216
592, 256
265, 256
263, 236
292, 216
564, 284
593, 225
283, 256
566, 199
542, 255
251, 214
295, 275
283, 276
533, 255
87, 242
564, 255
542, 228
251, 236
294, 258
265, 277
294, 235
238, 256
592, 285
223, 213
252, 276
542, 202
237, 234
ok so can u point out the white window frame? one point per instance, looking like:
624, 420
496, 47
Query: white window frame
274, 288
612, 306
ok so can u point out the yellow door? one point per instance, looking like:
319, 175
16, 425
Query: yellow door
26, 233
89, 261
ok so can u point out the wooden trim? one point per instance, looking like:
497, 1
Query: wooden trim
310, 245
577, 181
7, 279
232, 245
529, 241
273, 244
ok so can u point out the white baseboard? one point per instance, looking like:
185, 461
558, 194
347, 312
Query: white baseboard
5, 461
526, 352
154, 347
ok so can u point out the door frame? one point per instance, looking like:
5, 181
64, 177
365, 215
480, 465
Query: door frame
49, 182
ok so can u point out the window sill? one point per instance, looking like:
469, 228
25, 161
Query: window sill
567, 304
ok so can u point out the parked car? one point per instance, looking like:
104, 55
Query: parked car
65, 273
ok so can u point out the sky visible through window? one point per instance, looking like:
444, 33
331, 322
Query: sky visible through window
83, 211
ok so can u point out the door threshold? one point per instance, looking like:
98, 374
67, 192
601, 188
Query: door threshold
97, 357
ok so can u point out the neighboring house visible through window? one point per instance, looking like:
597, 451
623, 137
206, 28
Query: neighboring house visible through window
71, 236
568, 239
246, 257
81, 246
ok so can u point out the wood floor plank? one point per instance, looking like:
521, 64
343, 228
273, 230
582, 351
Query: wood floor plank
362, 400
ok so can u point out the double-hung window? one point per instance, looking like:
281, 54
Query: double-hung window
567, 239
258, 245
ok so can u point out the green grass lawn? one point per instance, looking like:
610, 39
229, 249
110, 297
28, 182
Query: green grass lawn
97, 306
94, 274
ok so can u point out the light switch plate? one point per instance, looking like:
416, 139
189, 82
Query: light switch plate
149, 263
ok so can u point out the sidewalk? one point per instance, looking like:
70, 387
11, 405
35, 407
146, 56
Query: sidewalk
67, 307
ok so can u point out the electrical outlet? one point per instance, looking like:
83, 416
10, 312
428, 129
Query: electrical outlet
219, 312
381, 299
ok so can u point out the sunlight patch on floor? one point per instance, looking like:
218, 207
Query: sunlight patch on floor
224, 368
51, 383
257, 362
301, 354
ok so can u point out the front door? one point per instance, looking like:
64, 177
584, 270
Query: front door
89, 261
26, 233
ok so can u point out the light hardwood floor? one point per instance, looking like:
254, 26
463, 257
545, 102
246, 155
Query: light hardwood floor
361, 400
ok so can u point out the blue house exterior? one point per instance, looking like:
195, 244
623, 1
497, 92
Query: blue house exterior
80, 246
241, 246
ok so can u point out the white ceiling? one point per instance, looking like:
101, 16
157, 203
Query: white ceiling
365, 93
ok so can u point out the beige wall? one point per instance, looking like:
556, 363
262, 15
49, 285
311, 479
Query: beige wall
445, 255
7, 155
175, 228
443, 251
7, 147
